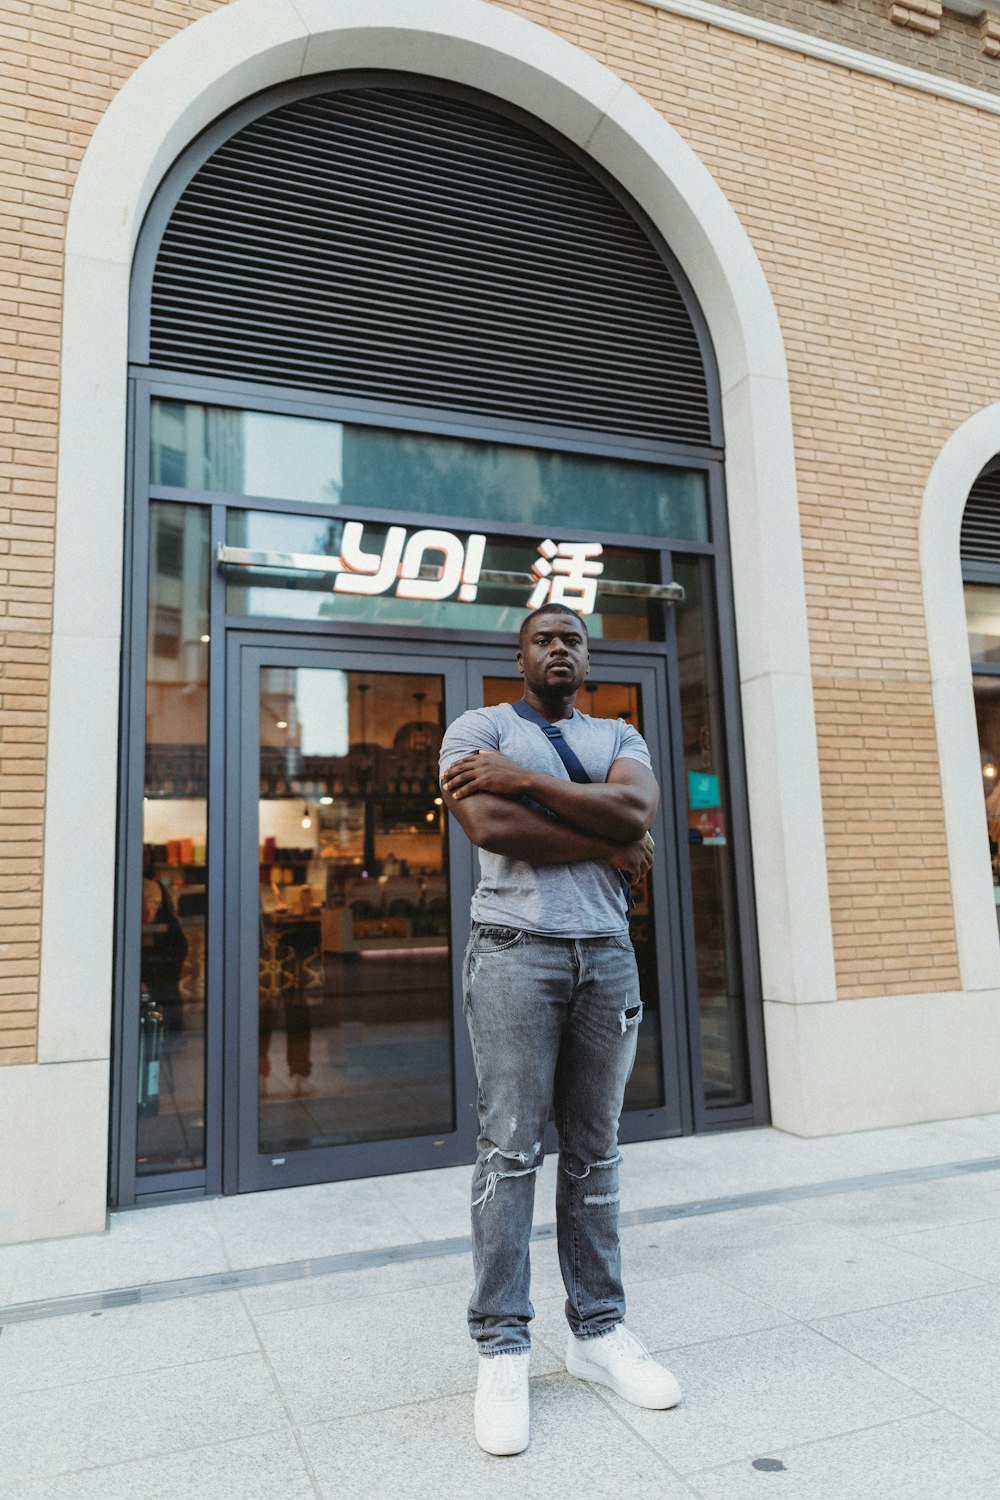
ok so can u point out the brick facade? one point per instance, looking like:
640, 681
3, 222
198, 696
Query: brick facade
873, 212
925, 34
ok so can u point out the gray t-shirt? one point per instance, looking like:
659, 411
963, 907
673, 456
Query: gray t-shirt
582, 899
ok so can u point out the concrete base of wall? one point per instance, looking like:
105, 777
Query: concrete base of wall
54, 1162
891, 1060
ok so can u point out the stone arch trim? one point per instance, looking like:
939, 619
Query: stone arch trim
954, 472
214, 63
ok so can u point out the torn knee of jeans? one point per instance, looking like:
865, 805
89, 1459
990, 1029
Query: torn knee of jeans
523, 1164
629, 1016
587, 1167
600, 1200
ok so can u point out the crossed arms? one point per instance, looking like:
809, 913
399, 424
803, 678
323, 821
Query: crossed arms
596, 820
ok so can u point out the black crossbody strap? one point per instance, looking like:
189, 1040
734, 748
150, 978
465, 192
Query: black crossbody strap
556, 739
570, 760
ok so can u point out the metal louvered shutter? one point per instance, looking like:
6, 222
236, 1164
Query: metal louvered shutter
981, 521
419, 248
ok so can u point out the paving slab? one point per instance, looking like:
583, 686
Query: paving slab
749, 1395
814, 1270
934, 1457
900, 1146
945, 1347
675, 1310
268, 1467
428, 1451
884, 1211
341, 1359
151, 1244
417, 1276
972, 1247
334, 1218
63, 1429
122, 1341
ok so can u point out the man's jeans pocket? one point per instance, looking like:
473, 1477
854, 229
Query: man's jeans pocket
487, 940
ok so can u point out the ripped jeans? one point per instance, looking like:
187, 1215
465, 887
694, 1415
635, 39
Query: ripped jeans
550, 1019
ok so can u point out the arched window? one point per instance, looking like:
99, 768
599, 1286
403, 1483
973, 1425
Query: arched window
981, 575
399, 351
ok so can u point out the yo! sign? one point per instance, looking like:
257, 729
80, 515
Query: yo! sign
564, 572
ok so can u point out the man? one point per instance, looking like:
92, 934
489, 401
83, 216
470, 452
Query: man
552, 1002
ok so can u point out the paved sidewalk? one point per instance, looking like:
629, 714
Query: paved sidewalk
831, 1308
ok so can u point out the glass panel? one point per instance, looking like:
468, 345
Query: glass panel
308, 596
171, 1108
987, 696
982, 613
355, 977
720, 980
620, 700
278, 457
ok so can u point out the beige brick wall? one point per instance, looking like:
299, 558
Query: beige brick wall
952, 47
60, 66
874, 213
871, 209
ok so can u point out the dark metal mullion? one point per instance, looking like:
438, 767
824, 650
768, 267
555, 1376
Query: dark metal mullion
130, 852
216, 1024
434, 393
386, 637
244, 941
189, 385
121, 1185
667, 900
739, 803
232, 943
689, 1024
670, 933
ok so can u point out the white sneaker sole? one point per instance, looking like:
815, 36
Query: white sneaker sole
501, 1447
583, 1369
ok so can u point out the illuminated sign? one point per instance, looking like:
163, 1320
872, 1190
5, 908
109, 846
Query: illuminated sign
435, 564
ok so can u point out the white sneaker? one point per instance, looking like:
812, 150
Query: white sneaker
502, 1404
619, 1360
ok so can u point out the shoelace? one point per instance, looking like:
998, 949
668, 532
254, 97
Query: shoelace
505, 1376
628, 1345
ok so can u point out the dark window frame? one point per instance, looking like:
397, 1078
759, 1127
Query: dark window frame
146, 383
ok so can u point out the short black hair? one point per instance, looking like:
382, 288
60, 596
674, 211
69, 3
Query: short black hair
550, 609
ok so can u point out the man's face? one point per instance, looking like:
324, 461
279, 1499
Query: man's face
554, 657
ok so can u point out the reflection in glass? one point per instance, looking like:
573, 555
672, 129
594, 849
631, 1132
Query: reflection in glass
620, 700
720, 980
982, 613
355, 1015
310, 596
987, 695
279, 457
171, 1098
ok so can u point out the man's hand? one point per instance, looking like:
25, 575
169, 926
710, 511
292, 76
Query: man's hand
486, 771
634, 860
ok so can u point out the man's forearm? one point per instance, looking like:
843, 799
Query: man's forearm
518, 832
607, 810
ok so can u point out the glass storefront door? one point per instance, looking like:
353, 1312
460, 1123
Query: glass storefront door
344, 918
638, 694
